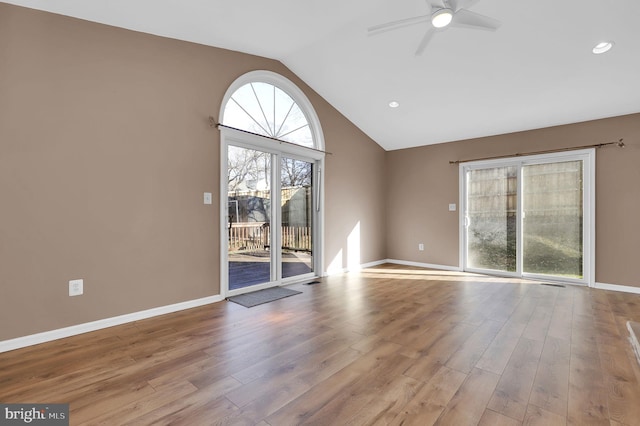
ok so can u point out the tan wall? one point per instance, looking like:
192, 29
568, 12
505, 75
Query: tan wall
357, 202
105, 151
422, 183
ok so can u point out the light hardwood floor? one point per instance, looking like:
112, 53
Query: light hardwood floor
389, 345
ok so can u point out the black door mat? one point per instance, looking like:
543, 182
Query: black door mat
260, 297
312, 283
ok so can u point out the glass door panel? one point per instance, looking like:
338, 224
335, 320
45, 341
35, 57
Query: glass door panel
296, 199
249, 217
491, 218
531, 217
553, 219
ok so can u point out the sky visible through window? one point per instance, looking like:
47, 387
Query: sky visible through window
265, 109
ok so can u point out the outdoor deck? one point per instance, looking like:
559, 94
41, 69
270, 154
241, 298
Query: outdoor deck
251, 268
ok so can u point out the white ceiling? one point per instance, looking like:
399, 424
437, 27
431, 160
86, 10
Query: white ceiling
536, 70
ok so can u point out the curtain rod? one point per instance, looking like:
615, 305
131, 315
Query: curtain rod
212, 123
618, 143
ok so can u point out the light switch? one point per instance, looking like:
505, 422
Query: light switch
76, 287
207, 198
452, 207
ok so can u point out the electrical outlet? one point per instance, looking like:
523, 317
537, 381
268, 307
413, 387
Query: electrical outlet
76, 287
207, 198
452, 207
421, 247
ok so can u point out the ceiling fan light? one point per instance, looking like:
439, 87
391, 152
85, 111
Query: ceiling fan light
441, 18
602, 47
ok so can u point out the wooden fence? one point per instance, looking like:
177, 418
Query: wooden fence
254, 236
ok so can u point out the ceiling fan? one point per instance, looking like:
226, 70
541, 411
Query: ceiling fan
442, 14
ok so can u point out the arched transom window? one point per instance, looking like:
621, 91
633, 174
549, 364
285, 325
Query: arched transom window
260, 104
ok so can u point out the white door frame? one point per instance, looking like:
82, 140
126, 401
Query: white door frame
242, 139
588, 157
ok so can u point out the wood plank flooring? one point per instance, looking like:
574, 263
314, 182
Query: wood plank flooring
390, 345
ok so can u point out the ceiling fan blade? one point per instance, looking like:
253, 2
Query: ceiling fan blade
381, 28
425, 40
461, 4
467, 19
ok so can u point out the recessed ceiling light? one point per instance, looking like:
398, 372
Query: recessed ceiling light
602, 47
441, 18
394, 104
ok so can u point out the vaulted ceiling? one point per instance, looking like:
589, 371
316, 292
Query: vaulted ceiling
536, 70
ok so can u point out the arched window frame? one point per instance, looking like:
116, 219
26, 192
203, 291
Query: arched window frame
243, 138
286, 85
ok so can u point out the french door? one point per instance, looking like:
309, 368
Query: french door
530, 217
270, 200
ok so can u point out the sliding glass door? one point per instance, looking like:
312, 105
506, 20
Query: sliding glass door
296, 228
270, 218
530, 216
491, 218
249, 203
552, 219
272, 157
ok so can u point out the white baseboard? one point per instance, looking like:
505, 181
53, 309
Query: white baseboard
424, 265
47, 336
372, 264
354, 268
616, 287
396, 261
601, 286
633, 338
